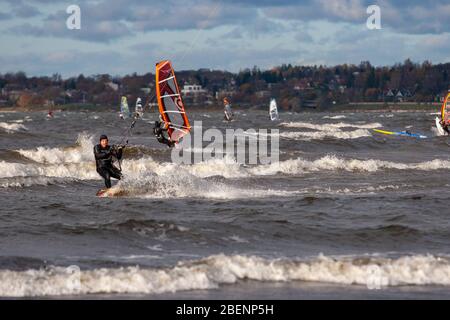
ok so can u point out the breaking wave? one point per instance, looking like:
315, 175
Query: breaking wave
212, 272
149, 177
333, 163
143, 177
327, 126
84, 171
320, 135
81, 152
183, 184
328, 131
335, 117
12, 127
22, 182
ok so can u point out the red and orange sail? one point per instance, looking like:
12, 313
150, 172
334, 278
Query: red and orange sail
445, 110
170, 103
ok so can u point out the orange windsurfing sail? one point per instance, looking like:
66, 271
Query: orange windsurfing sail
445, 111
170, 103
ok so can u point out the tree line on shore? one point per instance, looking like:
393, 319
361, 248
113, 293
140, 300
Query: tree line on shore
294, 87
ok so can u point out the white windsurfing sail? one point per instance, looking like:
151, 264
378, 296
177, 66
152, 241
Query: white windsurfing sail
124, 109
228, 112
273, 110
139, 109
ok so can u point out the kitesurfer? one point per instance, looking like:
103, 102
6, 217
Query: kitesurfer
158, 130
104, 154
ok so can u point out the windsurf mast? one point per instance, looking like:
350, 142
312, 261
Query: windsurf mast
170, 102
445, 110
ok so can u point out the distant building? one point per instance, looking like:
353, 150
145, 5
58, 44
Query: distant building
263, 94
13, 87
224, 93
274, 86
15, 94
146, 90
193, 89
113, 86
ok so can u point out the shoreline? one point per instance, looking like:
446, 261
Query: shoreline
334, 109
255, 290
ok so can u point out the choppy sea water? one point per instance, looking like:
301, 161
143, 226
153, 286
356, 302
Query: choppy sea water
346, 213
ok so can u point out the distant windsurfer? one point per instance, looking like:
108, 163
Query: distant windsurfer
158, 130
104, 154
443, 122
227, 110
445, 126
124, 109
139, 110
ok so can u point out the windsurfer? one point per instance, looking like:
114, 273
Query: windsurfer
227, 109
158, 130
445, 126
104, 154
139, 110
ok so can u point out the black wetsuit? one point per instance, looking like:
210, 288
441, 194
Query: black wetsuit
105, 167
446, 129
158, 131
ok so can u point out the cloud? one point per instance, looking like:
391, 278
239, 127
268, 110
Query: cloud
91, 30
412, 17
203, 14
105, 21
234, 60
226, 34
25, 11
4, 16
259, 28
234, 34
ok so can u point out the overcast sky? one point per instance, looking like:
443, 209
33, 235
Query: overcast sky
125, 36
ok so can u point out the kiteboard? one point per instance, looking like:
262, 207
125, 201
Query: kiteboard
109, 193
102, 193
